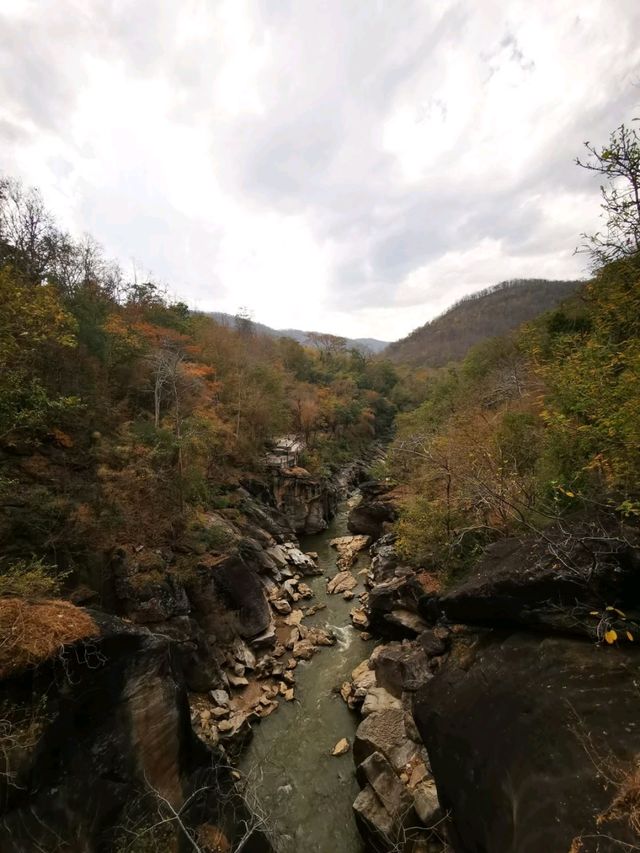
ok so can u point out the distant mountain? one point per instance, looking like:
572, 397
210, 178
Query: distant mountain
362, 344
486, 314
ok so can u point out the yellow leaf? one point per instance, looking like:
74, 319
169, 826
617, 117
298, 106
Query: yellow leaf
611, 636
593, 613
570, 494
630, 636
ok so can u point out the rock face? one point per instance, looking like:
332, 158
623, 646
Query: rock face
522, 733
307, 502
375, 509
245, 595
551, 584
111, 738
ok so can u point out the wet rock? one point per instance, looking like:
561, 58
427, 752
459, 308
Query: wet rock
341, 747
303, 650
341, 582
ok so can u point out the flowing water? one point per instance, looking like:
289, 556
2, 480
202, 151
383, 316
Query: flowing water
306, 792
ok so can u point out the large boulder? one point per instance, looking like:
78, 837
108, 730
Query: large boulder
96, 739
384, 807
369, 517
401, 667
552, 582
531, 740
243, 593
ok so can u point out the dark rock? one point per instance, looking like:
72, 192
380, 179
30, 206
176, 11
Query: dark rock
244, 594
551, 583
112, 723
368, 518
401, 667
523, 732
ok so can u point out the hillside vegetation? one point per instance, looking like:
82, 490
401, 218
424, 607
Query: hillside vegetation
486, 314
123, 415
540, 423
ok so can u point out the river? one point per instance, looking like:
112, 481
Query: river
306, 792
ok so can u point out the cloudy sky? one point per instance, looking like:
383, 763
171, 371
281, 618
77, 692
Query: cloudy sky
352, 166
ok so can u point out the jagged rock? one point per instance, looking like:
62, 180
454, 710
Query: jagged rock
220, 697
348, 548
408, 621
369, 517
320, 637
374, 822
289, 695
348, 595
341, 747
341, 582
306, 501
378, 699
265, 640
243, 654
426, 803
305, 591
401, 667
295, 617
384, 731
303, 650
281, 606
237, 680
359, 618
220, 712
376, 771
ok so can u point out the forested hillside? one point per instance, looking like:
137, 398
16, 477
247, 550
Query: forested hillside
124, 414
475, 318
541, 423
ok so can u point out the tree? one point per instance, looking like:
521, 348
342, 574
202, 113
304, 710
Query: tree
619, 163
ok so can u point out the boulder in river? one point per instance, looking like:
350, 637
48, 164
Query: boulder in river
341, 747
341, 582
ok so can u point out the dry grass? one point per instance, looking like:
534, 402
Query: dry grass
32, 631
626, 803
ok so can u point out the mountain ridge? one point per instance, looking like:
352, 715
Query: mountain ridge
489, 313
304, 337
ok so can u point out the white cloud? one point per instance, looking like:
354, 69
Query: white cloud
347, 167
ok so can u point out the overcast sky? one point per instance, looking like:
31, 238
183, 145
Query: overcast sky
352, 166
